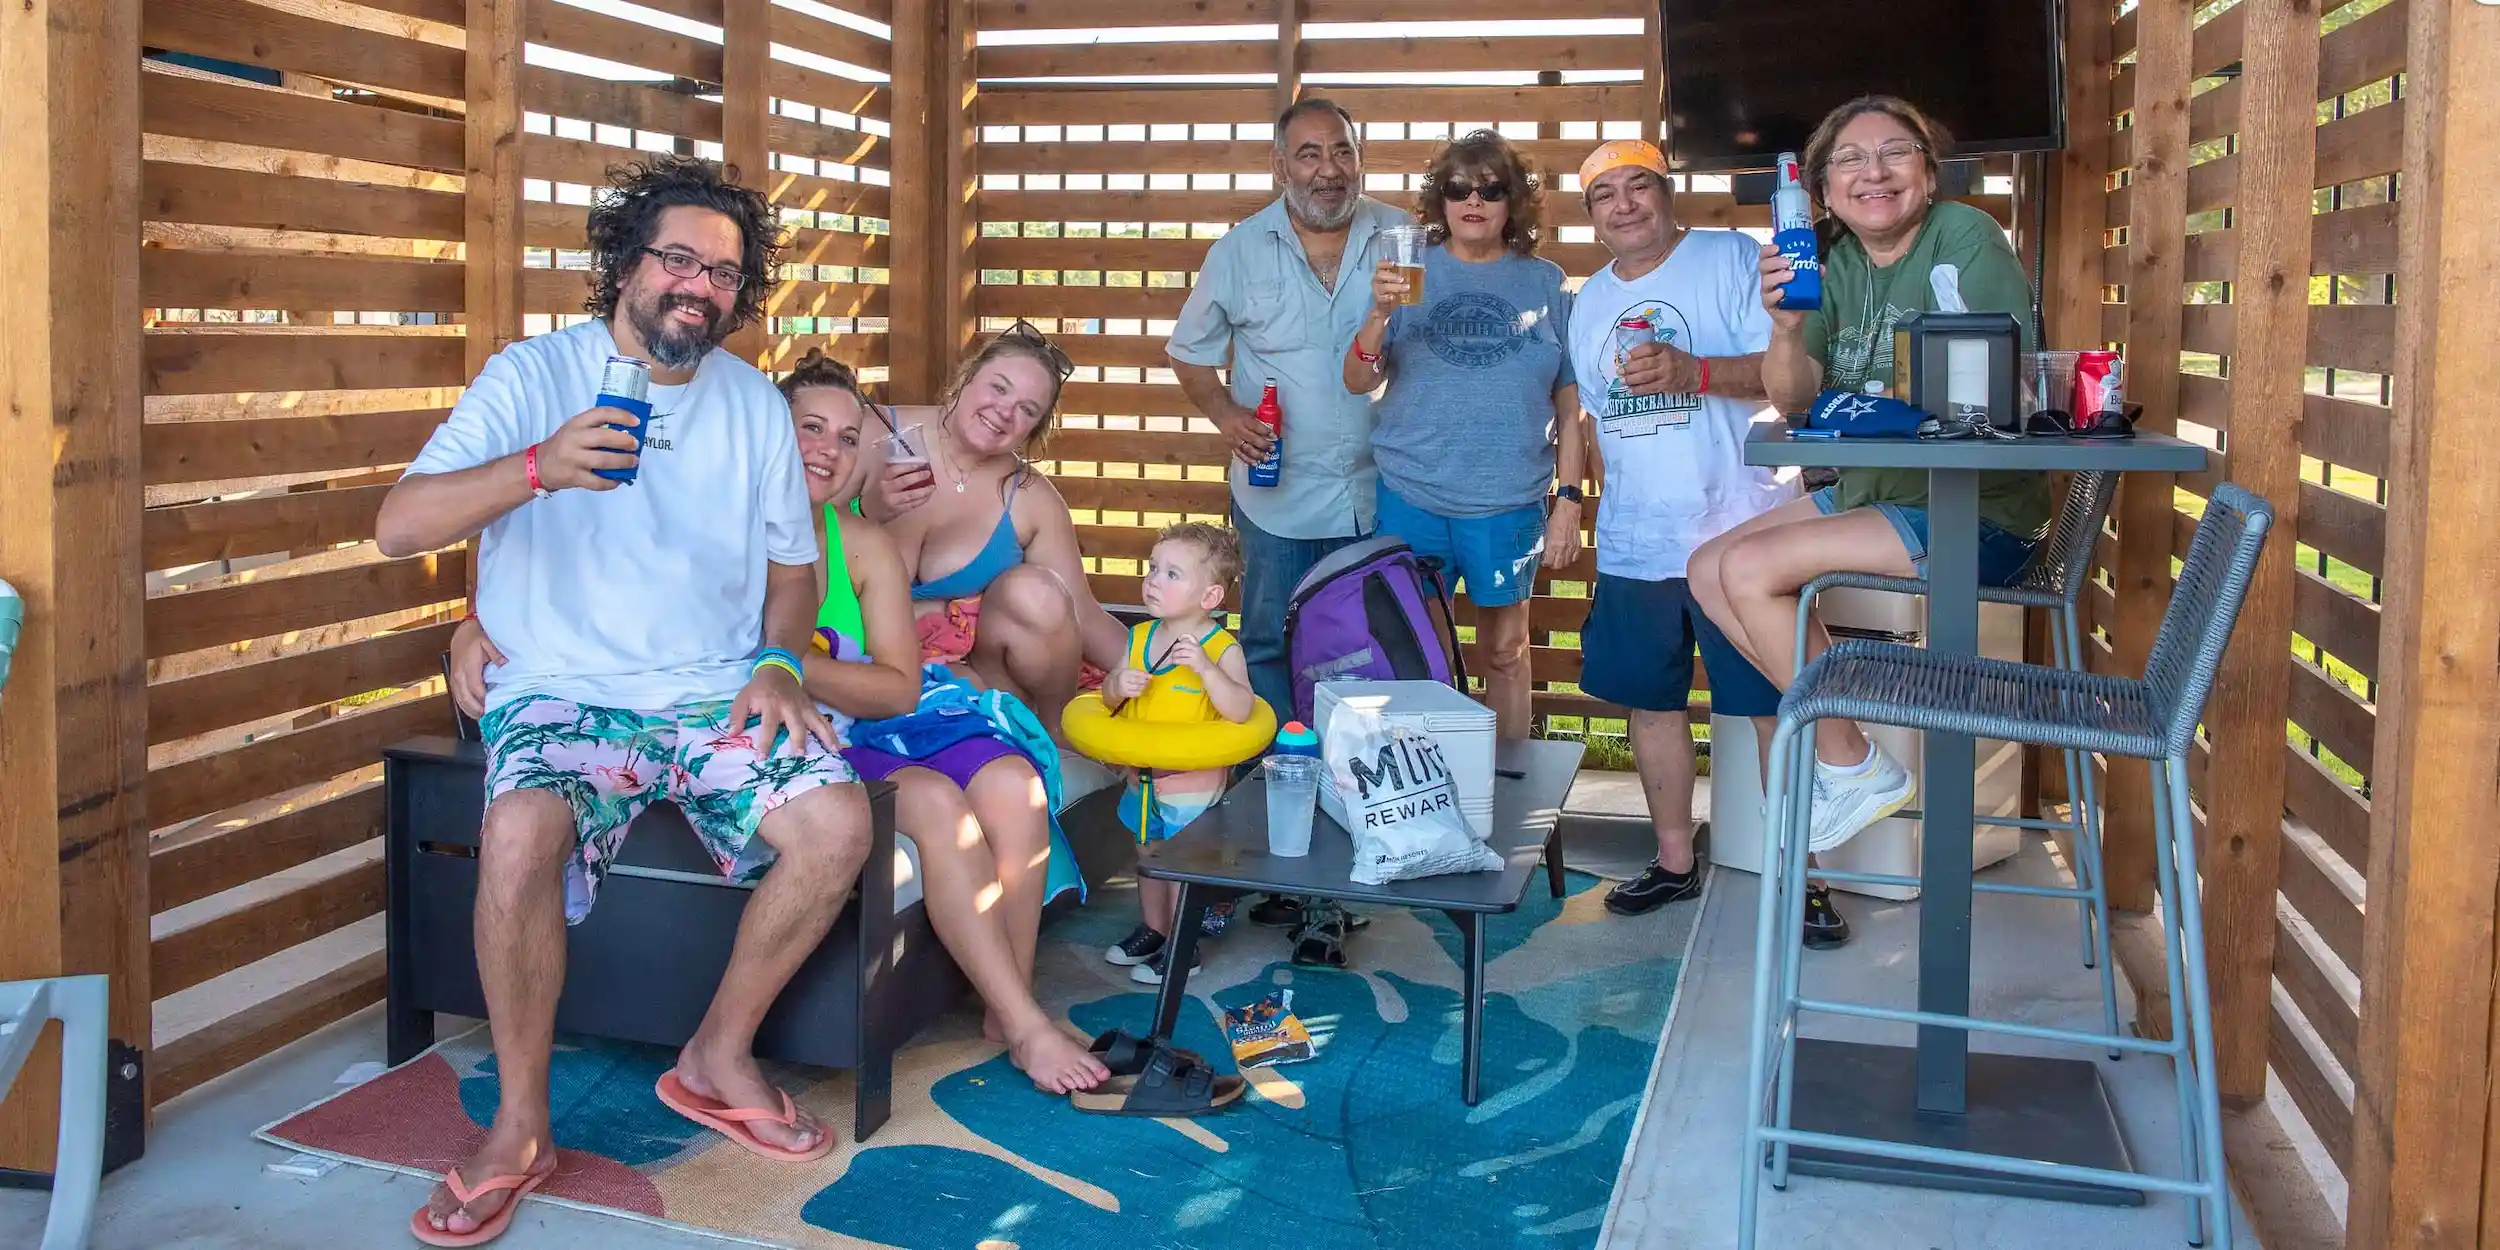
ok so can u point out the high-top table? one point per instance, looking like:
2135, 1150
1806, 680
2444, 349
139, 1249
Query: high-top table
1938, 1093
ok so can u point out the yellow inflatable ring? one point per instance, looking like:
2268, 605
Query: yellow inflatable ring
1168, 746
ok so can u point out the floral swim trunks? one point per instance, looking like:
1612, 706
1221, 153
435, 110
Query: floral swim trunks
610, 764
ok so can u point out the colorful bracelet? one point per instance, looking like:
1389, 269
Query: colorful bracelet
1369, 358
1704, 388
530, 463
777, 658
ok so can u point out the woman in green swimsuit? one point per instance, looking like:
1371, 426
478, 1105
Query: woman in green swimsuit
1889, 250
974, 810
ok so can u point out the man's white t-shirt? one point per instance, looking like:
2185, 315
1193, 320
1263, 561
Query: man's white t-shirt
1675, 470
650, 595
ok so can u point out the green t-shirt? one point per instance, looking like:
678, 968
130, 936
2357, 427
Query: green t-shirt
1852, 335
840, 610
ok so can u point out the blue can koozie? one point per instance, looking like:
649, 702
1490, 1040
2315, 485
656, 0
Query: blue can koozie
1792, 232
625, 385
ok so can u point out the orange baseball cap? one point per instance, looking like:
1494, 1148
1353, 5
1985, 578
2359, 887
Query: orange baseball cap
1621, 154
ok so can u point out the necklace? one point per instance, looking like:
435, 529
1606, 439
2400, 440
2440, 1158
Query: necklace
946, 435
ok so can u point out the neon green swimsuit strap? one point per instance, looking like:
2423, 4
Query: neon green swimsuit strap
840, 610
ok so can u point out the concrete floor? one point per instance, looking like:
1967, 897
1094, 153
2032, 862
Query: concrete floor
203, 1185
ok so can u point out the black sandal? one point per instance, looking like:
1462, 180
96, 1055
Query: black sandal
1126, 1054
1175, 1082
1320, 941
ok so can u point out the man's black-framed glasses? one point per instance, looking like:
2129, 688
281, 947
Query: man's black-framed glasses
681, 265
1024, 331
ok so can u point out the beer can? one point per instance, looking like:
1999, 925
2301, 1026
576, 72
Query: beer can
1631, 332
625, 378
2099, 384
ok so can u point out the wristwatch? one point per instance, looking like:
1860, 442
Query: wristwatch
1570, 492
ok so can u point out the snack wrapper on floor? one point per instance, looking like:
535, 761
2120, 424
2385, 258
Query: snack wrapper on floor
1267, 1032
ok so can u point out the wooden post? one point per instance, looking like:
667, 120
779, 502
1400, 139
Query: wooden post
2269, 360
1653, 74
2156, 259
746, 110
1288, 53
2423, 1163
492, 233
74, 719
930, 309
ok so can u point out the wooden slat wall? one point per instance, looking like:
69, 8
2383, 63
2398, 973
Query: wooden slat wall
2314, 420
824, 155
1097, 204
309, 310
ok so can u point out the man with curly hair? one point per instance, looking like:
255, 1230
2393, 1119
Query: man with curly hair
652, 628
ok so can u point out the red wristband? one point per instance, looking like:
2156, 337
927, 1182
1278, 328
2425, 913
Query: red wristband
1705, 376
529, 461
1369, 358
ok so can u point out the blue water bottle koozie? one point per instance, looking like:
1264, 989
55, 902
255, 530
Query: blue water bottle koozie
625, 384
1792, 232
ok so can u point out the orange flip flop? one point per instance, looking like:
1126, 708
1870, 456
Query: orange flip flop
731, 1122
521, 1184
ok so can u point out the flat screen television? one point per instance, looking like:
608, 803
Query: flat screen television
1748, 79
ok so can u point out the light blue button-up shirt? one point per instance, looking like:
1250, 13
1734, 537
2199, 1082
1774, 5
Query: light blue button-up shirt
1258, 308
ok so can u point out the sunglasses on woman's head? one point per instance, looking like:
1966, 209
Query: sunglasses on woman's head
1493, 192
1024, 331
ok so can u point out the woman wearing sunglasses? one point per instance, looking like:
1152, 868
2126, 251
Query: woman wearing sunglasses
1477, 408
996, 582
1889, 250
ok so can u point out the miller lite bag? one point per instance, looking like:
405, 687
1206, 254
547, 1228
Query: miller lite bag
1394, 790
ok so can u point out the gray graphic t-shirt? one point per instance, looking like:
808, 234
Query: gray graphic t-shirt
1466, 425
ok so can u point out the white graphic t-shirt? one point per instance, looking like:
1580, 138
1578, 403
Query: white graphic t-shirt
1675, 475
650, 595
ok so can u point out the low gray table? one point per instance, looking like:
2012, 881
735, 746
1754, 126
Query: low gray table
1224, 851
2020, 1105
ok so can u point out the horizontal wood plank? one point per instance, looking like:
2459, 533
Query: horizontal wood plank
2334, 811
1135, 447
188, 278
642, 106
210, 451
209, 195
826, 195
818, 89
250, 692
2347, 627
793, 298
2340, 720
202, 861
1042, 303
301, 521
211, 948
2320, 901
2349, 529
215, 1049
627, 42
192, 108
2337, 1021
2326, 1112
809, 33
252, 34
280, 762
223, 615
185, 362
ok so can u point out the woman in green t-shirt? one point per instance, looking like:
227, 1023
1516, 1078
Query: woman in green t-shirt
1889, 250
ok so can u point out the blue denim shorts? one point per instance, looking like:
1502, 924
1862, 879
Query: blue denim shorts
2002, 555
1495, 556
1636, 651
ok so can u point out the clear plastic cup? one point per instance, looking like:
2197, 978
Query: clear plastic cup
1403, 246
2047, 383
1292, 797
907, 445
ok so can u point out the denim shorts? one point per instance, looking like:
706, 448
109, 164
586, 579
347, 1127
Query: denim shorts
1495, 556
1636, 651
2002, 555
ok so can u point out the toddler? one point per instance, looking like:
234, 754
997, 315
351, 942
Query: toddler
1181, 666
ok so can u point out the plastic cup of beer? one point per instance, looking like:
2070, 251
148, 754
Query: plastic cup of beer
1404, 247
2048, 382
907, 445
1292, 795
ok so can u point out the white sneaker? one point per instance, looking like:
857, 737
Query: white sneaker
1845, 803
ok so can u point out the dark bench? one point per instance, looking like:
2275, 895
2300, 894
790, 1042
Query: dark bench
644, 965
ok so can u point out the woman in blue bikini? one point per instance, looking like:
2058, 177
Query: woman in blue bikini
997, 583
979, 829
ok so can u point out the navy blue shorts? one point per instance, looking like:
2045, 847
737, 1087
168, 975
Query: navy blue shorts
1637, 651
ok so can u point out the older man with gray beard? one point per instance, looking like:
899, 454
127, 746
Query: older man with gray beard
1280, 297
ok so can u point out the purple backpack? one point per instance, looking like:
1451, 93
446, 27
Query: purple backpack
1366, 611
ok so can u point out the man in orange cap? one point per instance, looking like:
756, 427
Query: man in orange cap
1667, 342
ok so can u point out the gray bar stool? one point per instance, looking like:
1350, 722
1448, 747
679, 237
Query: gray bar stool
2153, 719
2054, 580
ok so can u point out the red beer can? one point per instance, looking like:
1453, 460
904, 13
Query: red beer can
2099, 385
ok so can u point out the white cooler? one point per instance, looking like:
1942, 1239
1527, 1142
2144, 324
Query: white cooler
1462, 726
1888, 846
